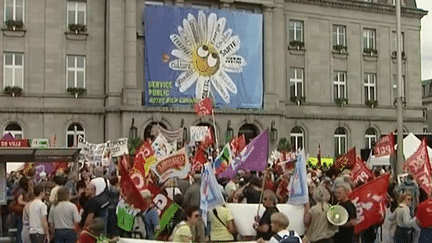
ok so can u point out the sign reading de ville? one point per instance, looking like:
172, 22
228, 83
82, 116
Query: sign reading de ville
14, 143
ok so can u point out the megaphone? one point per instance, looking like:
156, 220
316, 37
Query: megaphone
337, 215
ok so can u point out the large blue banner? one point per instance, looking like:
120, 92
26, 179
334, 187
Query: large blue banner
191, 54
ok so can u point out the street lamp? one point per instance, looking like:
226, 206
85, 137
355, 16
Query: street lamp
230, 131
273, 132
133, 131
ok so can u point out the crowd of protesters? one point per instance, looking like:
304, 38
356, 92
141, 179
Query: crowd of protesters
85, 205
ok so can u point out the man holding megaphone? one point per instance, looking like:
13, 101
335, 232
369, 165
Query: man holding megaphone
346, 231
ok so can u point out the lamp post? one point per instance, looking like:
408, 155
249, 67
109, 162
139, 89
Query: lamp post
273, 131
229, 132
400, 129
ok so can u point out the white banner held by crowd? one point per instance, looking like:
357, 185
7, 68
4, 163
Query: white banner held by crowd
93, 153
119, 147
198, 133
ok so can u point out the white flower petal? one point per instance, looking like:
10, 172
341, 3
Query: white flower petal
232, 69
231, 46
223, 39
194, 27
189, 33
180, 65
211, 25
202, 24
178, 42
220, 88
187, 81
185, 37
202, 89
218, 30
227, 81
180, 54
235, 61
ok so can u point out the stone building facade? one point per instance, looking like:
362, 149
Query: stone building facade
348, 52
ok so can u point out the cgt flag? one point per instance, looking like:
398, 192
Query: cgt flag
385, 146
130, 192
370, 200
360, 173
419, 166
252, 157
347, 160
204, 107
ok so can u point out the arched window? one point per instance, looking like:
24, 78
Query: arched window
370, 137
149, 132
14, 129
340, 141
297, 137
72, 133
249, 130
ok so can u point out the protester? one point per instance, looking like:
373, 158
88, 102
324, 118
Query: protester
93, 233
409, 185
222, 224
262, 224
92, 209
71, 183
25, 234
192, 197
282, 187
183, 232
59, 181
63, 217
319, 229
279, 225
21, 195
405, 224
151, 218
346, 231
38, 217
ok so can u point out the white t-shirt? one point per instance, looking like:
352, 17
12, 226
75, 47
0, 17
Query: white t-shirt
100, 184
38, 209
53, 194
282, 234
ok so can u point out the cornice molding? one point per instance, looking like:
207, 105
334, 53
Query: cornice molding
365, 7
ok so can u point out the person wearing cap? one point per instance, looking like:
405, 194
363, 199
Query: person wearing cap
151, 218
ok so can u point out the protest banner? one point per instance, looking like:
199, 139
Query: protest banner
170, 135
199, 133
118, 148
161, 146
130, 192
360, 173
175, 165
370, 201
93, 153
385, 146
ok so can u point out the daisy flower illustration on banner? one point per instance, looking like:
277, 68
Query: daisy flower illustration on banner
206, 53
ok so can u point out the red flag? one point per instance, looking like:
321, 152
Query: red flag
238, 144
385, 146
370, 200
346, 161
129, 191
144, 152
205, 107
360, 173
424, 213
419, 166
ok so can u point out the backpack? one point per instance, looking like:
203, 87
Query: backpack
291, 238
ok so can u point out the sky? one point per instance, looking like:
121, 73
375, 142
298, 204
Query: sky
426, 39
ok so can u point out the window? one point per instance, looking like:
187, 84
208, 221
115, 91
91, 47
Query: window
339, 35
370, 137
370, 86
296, 82
425, 130
339, 83
74, 131
297, 138
76, 12
75, 72
295, 30
14, 129
14, 10
13, 69
395, 89
369, 39
394, 43
340, 140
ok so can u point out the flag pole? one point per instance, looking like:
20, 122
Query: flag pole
215, 129
400, 87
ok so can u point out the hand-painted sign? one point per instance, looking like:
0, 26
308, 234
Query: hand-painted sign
192, 54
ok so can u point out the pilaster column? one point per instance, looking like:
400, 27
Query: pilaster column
130, 44
269, 101
280, 50
179, 2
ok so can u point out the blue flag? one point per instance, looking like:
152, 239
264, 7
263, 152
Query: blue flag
211, 194
298, 188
